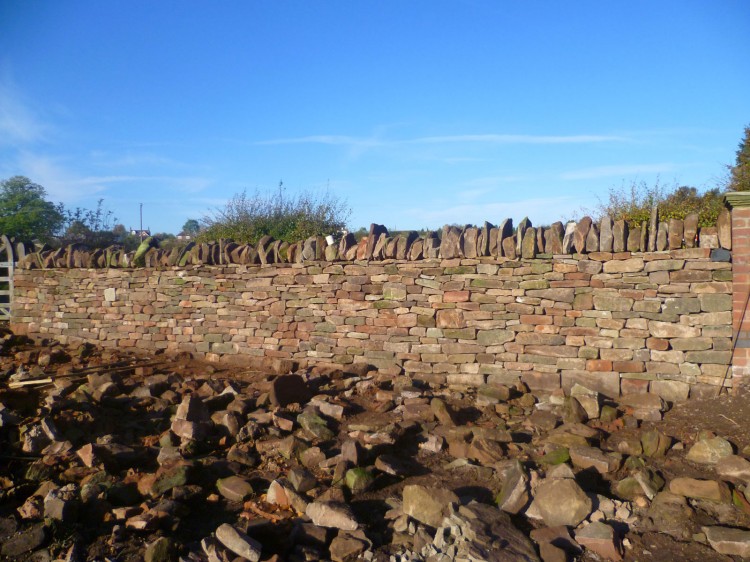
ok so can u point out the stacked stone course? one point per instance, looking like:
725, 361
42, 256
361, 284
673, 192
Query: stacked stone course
613, 322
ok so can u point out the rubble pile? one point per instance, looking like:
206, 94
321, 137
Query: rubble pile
106, 455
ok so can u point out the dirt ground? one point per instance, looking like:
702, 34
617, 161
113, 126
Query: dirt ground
142, 423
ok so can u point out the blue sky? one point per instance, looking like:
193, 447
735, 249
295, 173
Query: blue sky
417, 113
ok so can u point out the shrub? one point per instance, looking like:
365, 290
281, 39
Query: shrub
247, 218
633, 203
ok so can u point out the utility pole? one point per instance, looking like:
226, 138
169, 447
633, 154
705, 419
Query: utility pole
141, 230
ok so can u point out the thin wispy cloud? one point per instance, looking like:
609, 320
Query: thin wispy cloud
64, 184
334, 140
343, 140
516, 139
19, 125
617, 171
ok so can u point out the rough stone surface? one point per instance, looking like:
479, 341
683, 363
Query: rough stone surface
427, 505
561, 502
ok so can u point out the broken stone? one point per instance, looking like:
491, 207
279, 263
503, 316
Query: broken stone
332, 514
600, 538
27, 540
710, 490
561, 501
427, 505
442, 412
734, 469
727, 540
358, 480
311, 421
655, 444
514, 494
345, 548
238, 542
710, 451
591, 457
161, 550
234, 488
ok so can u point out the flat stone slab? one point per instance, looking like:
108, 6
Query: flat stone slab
726, 540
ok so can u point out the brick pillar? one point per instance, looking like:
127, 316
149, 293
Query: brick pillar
739, 203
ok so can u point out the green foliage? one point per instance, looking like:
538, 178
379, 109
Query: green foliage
25, 213
633, 203
191, 227
247, 219
739, 174
91, 227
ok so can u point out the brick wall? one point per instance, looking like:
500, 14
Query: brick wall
627, 322
740, 204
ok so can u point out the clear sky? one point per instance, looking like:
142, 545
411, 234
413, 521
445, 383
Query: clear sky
418, 113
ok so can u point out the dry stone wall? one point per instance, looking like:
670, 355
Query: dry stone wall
612, 322
524, 241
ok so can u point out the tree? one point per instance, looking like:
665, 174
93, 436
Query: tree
291, 219
25, 213
739, 174
191, 227
91, 227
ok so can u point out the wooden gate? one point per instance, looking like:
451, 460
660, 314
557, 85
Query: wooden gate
7, 263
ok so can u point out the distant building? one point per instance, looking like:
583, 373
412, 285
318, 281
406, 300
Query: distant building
140, 233
184, 236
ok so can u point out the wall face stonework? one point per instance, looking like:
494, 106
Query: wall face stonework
615, 323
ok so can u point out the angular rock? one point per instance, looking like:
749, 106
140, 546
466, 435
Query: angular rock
670, 514
376, 230
568, 238
514, 495
592, 239
553, 238
734, 469
505, 231
606, 235
592, 457
523, 226
620, 236
192, 409
696, 488
334, 515
662, 237
238, 542
234, 488
653, 228
676, 233
728, 540
529, 246
311, 421
358, 480
600, 538
450, 243
710, 451
346, 548
442, 412
724, 228
690, 230
561, 502
469, 242
581, 233
160, 550
427, 505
